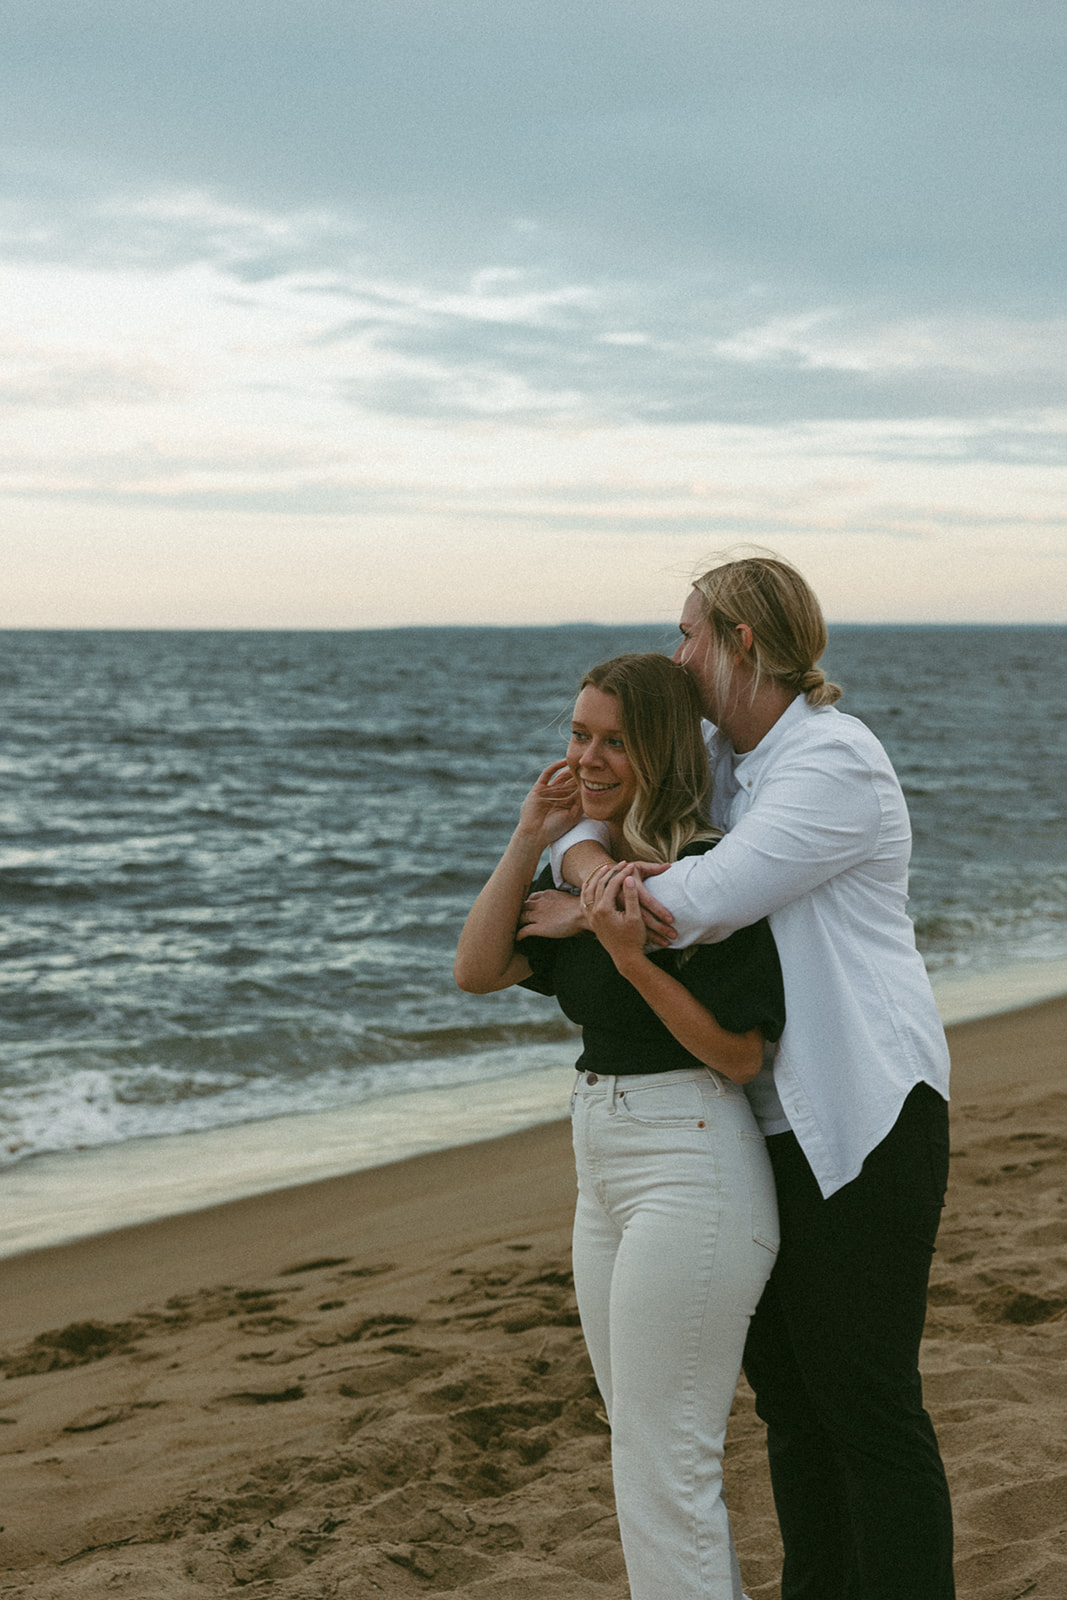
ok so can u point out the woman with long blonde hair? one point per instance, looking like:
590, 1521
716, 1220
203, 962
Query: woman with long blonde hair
675, 1228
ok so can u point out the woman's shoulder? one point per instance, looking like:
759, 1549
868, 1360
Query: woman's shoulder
698, 847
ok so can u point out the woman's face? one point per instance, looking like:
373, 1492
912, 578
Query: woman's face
597, 756
698, 654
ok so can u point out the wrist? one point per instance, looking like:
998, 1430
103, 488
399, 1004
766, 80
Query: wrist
629, 962
528, 842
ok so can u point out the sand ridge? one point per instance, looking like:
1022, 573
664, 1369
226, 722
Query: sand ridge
386, 1393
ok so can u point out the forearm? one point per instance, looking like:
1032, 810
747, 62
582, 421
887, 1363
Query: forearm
582, 859
486, 958
805, 828
737, 1056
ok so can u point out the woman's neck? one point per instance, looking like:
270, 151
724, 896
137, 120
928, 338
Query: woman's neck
750, 720
617, 845
622, 850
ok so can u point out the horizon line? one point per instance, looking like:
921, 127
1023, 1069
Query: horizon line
501, 627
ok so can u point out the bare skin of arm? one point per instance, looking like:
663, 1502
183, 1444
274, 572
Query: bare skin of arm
486, 958
556, 915
613, 912
551, 914
582, 859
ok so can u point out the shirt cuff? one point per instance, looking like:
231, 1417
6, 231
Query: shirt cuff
596, 831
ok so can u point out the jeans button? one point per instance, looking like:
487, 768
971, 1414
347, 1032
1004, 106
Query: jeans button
591, 1077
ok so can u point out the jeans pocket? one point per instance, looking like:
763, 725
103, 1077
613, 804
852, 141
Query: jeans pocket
761, 1191
666, 1105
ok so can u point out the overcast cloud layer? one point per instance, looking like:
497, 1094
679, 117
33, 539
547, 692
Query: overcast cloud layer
439, 294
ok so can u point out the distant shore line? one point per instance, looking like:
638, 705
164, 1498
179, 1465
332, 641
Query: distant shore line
521, 627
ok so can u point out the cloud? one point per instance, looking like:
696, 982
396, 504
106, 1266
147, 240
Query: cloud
176, 322
895, 148
55, 212
32, 384
669, 269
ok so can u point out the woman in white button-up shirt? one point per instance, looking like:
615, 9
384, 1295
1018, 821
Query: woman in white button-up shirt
855, 1111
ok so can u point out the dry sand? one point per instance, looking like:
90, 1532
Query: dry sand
376, 1386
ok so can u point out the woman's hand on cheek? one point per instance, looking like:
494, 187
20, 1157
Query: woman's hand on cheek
553, 805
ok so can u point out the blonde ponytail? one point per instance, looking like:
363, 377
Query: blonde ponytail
769, 597
816, 688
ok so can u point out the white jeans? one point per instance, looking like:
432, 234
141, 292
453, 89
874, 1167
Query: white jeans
675, 1234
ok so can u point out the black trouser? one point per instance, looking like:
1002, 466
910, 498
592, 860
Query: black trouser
833, 1356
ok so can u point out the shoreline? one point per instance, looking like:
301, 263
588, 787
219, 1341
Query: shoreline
375, 1383
67, 1196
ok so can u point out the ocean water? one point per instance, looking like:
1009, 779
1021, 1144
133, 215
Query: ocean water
233, 865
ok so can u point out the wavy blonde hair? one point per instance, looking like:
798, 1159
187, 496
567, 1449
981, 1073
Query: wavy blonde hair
659, 718
788, 630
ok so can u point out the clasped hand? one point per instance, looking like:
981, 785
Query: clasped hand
612, 908
559, 913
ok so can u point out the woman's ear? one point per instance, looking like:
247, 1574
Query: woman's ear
744, 639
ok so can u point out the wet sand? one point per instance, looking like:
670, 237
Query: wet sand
375, 1385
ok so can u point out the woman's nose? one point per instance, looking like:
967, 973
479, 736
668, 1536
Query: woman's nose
590, 756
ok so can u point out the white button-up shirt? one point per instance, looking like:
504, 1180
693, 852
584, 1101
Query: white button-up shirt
818, 841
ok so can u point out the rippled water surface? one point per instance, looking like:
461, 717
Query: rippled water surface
233, 865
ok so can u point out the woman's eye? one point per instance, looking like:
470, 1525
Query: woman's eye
616, 744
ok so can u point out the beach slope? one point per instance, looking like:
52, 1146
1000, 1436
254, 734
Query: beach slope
376, 1385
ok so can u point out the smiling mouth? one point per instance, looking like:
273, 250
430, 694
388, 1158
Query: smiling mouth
598, 788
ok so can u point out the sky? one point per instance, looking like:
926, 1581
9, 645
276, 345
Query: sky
375, 313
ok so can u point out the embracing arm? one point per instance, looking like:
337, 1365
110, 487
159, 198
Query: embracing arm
579, 852
621, 930
582, 859
575, 858
807, 825
738, 1056
823, 812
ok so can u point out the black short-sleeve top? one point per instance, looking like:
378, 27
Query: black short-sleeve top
739, 980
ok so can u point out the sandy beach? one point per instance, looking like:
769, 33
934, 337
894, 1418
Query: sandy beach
376, 1385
